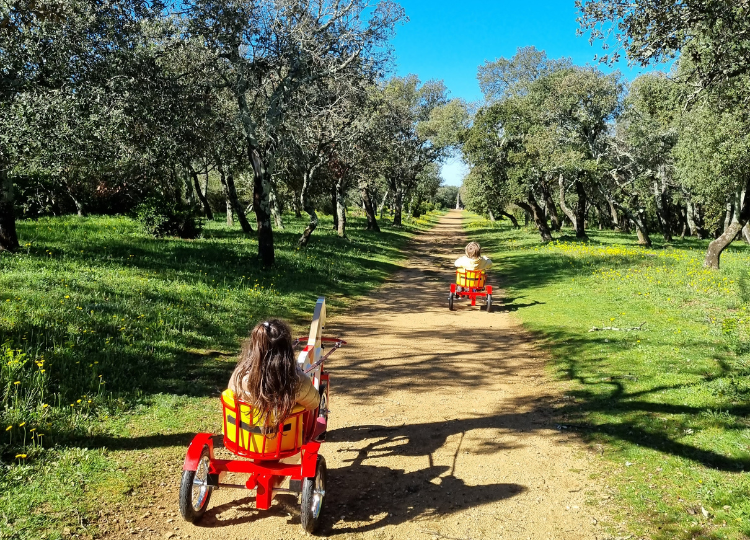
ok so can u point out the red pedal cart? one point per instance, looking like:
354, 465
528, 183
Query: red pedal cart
472, 285
268, 459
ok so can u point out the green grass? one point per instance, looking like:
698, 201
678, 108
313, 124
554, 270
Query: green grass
115, 344
667, 404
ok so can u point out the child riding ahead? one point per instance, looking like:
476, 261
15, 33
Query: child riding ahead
473, 259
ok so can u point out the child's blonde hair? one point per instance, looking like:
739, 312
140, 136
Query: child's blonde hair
473, 251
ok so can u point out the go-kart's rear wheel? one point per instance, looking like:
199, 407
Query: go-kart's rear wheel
195, 490
489, 303
313, 497
450, 301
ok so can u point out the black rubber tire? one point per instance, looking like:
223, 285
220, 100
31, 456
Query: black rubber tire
308, 519
450, 301
489, 303
187, 507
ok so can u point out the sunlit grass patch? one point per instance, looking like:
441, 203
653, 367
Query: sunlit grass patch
665, 391
112, 342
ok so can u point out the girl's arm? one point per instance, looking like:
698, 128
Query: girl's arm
307, 395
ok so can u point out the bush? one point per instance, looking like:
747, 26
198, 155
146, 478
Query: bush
168, 218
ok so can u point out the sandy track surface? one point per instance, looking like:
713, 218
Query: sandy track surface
441, 426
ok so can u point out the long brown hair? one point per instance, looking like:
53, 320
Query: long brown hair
266, 374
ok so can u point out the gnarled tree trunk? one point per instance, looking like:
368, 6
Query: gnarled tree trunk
550, 207
372, 222
199, 192
233, 202
661, 196
580, 223
638, 218
381, 208
340, 208
306, 204
533, 208
737, 223
398, 203
511, 217
567, 211
275, 210
8, 235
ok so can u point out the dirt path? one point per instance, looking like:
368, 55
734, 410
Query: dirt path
441, 427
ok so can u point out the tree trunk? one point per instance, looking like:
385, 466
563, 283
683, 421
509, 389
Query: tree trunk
598, 216
511, 217
697, 221
684, 229
262, 208
615, 216
78, 204
728, 215
225, 189
334, 211
296, 206
637, 217
580, 222
261, 175
567, 211
550, 207
661, 196
739, 219
275, 210
199, 192
8, 235
381, 208
746, 232
372, 222
306, 204
340, 208
235, 200
533, 208
491, 216
398, 202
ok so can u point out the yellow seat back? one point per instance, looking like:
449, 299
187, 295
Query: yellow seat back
250, 433
473, 279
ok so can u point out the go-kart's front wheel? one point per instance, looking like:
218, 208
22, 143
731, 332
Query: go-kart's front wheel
195, 490
489, 303
313, 497
450, 301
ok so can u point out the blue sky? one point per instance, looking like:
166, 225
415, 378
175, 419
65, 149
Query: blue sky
448, 40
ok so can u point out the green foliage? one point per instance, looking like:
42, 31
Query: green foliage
666, 403
446, 197
160, 217
712, 35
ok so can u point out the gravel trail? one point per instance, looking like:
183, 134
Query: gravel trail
441, 427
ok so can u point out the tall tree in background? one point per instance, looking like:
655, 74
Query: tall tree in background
54, 56
267, 51
714, 35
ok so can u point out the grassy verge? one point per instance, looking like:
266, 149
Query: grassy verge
666, 402
115, 344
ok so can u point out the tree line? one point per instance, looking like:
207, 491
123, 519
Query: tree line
284, 103
667, 153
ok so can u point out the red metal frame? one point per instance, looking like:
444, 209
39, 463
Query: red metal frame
265, 467
468, 291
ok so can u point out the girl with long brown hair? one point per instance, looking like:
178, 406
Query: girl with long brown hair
267, 376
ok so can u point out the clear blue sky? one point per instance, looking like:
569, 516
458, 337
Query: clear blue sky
448, 40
